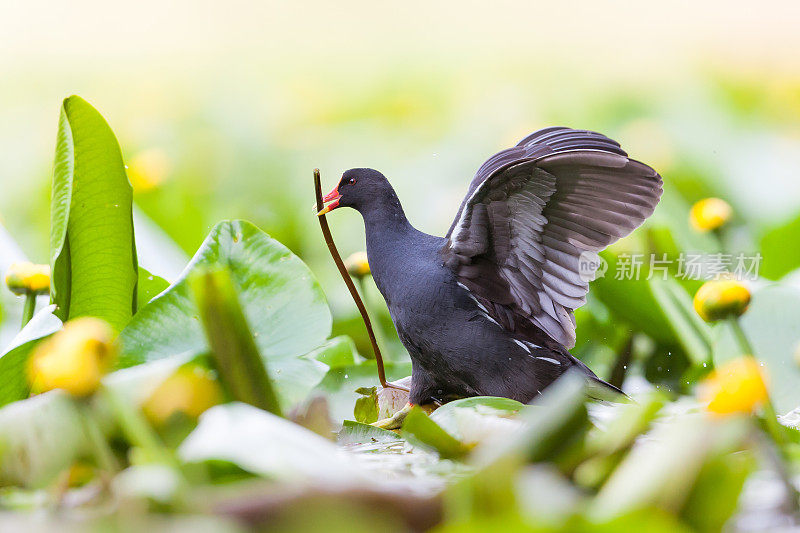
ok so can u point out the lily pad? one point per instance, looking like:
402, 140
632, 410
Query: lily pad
473, 420
266, 445
282, 301
149, 287
358, 433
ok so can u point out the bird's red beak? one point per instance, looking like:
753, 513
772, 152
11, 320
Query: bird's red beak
332, 197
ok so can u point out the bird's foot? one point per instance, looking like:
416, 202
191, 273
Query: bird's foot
396, 420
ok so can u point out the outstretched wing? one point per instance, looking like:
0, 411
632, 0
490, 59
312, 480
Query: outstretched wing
532, 211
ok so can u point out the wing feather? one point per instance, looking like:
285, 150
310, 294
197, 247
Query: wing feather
531, 212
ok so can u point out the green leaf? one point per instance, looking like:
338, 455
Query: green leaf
241, 368
339, 387
266, 445
358, 433
42, 435
715, 494
282, 302
553, 428
660, 308
339, 352
39, 437
606, 448
632, 301
473, 420
630, 421
418, 428
779, 249
92, 249
366, 409
692, 333
148, 287
13, 381
486, 404
136, 384
771, 326
661, 470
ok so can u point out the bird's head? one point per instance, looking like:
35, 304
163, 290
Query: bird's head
359, 188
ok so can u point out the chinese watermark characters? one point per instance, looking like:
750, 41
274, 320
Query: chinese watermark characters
686, 265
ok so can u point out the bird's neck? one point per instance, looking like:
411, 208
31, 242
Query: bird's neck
391, 239
386, 215
386, 226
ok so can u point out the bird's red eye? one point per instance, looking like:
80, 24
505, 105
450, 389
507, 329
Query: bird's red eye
351, 181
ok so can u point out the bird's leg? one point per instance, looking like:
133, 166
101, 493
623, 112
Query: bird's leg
391, 385
396, 420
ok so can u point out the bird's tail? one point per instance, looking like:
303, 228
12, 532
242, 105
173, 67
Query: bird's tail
597, 389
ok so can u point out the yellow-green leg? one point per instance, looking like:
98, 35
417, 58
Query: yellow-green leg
396, 420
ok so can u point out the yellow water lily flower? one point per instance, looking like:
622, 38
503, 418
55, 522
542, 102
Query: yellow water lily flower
357, 264
722, 298
24, 277
710, 214
190, 390
74, 359
738, 386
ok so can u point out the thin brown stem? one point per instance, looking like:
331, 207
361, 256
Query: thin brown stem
326, 232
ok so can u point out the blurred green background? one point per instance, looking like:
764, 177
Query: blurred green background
223, 110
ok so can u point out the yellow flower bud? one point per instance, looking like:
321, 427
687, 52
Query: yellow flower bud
148, 169
738, 386
74, 359
709, 214
720, 299
190, 390
357, 264
25, 277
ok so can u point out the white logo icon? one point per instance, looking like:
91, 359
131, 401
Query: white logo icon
591, 266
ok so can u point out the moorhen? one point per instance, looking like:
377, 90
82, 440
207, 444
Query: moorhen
487, 309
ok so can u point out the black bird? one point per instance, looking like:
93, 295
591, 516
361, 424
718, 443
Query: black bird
487, 309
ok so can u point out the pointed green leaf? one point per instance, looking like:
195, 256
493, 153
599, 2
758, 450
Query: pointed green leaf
418, 428
235, 354
692, 333
92, 250
554, 425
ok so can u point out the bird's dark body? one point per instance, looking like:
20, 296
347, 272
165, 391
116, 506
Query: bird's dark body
456, 349
487, 309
